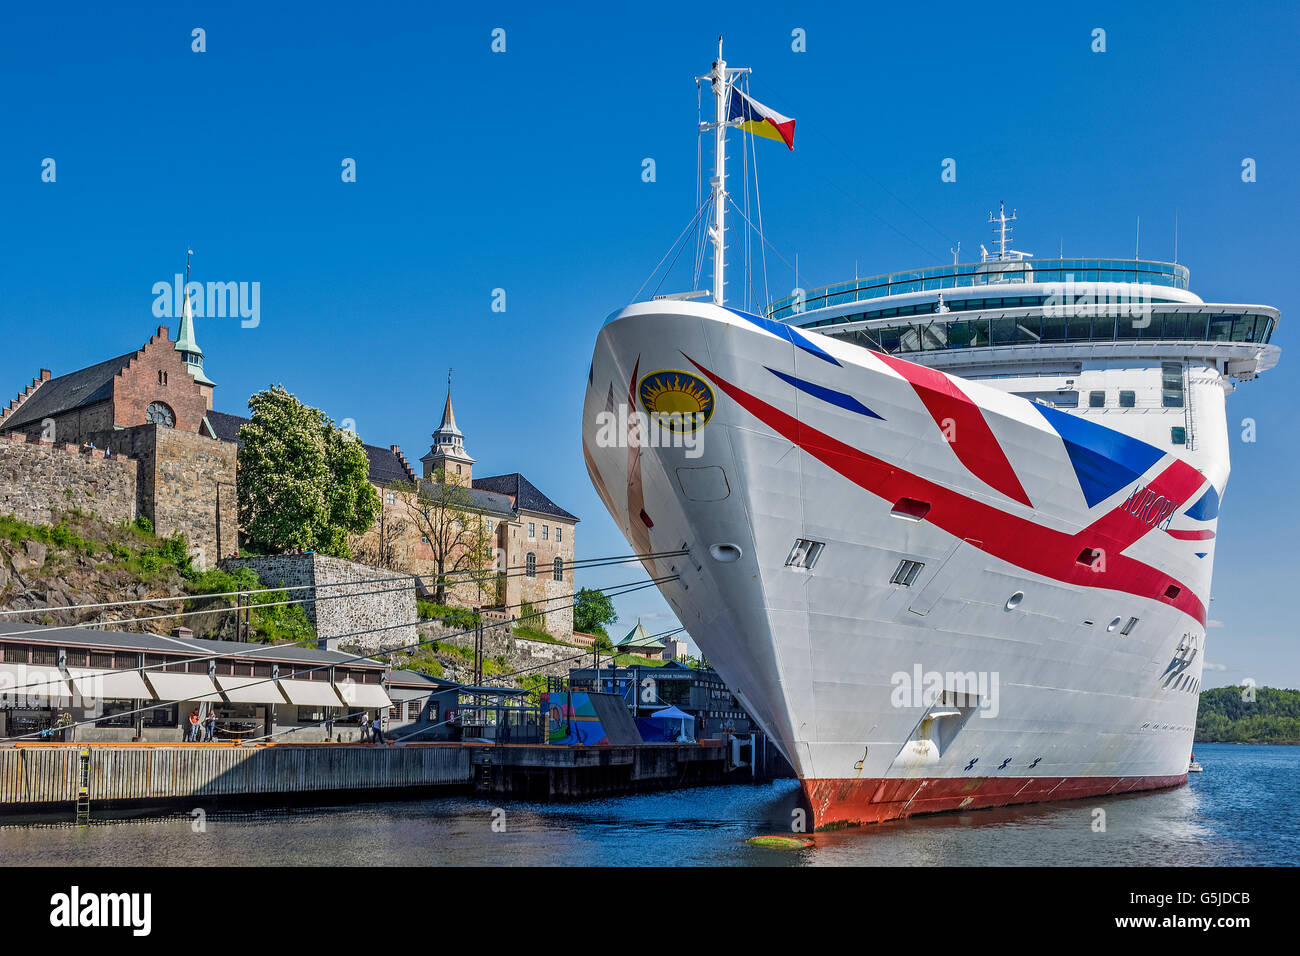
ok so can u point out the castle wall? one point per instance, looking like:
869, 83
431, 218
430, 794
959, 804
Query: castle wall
358, 598
40, 480
186, 483
73, 427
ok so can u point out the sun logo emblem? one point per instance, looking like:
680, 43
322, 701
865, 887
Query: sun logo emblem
678, 401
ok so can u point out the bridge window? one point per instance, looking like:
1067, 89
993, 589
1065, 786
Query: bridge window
1171, 384
1127, 399
1097, 399
1178, 435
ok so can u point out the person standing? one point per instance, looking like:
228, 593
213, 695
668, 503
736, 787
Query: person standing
211, 725
365, 726
194, 725
377, 728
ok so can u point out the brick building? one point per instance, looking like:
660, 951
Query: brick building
152, 406
533, 536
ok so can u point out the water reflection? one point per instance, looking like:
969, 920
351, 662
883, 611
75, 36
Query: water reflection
1236, 813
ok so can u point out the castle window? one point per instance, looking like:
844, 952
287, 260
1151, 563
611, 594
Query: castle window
559, 570
159, 414
546, 532
488, 524
390, 497
530, 565
559, 533
532, 529
162, 377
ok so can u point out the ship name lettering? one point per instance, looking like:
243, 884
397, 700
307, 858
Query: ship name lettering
1151, 509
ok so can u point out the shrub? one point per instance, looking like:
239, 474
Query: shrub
142, 523
457, 618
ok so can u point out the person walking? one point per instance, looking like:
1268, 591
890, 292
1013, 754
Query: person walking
377, 728
194, 725
211, 735
365, 726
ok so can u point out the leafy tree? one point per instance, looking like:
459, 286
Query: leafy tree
303, 482
593, 610
443, 512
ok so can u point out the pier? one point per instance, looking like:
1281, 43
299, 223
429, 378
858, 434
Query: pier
48, 777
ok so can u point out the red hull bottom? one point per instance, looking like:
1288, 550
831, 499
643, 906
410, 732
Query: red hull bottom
851, 802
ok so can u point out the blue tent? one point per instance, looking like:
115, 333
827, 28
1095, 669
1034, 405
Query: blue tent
669, 725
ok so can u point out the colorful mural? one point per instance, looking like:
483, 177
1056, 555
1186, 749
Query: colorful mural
579, 718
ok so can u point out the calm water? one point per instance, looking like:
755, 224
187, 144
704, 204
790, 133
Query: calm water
1240, 811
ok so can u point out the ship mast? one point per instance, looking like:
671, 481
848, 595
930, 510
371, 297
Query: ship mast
1002, 231
723, 78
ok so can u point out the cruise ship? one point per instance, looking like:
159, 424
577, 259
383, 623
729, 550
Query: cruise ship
948, 533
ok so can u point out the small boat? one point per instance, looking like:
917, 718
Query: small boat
1194, 767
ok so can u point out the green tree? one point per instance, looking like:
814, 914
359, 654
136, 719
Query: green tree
593, 610
303, 482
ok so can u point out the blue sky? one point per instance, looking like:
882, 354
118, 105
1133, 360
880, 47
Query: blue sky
522, 171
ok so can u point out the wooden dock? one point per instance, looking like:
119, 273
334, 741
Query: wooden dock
39, 778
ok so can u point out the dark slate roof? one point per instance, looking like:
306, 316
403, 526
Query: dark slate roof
409, 678
526, 495
385, 466
158, 643
227, 426
491, 502
77, 389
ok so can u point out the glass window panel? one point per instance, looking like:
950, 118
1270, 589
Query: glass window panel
1127, 399
1243, 330
1175, 326
1029, 329
1077, 328
959, 334
1004, 331
1221, 328
1126, 327
1053, 328
934, 335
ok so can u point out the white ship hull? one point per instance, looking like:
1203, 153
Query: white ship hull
1002, 672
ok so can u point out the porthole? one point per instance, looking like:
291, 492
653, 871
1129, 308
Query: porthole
1114, 624
1013, 602
725, 553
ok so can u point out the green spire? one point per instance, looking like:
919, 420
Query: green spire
188, 347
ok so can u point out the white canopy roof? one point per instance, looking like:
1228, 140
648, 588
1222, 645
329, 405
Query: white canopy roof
42, 682
311, 693
179, 687
92, 683
250, 690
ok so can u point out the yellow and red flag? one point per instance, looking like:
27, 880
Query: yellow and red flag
760, 120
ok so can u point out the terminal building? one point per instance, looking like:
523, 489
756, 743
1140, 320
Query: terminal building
143, 687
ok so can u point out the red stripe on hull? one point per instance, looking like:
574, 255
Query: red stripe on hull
852, 802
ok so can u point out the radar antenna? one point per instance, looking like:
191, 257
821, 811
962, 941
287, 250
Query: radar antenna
1002, 233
